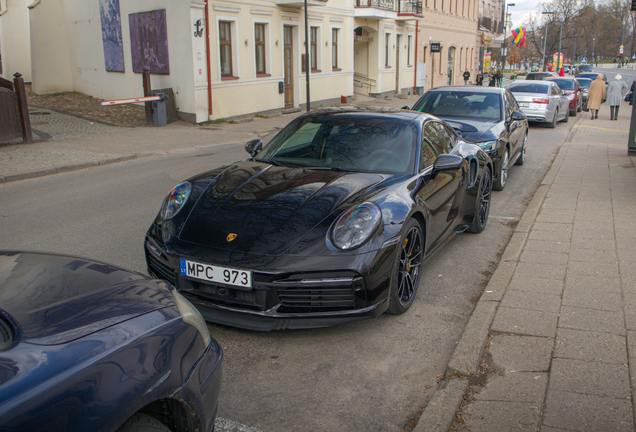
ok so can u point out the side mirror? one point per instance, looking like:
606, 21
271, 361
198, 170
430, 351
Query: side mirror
516, 115
581, 89
406, 107
446, 162
254, 147
564, 93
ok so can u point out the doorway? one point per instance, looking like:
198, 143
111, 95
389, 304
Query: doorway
289, 66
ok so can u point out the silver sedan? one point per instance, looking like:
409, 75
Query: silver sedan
541, 101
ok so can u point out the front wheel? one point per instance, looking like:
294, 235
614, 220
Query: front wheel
552, 124
522, 157
406, 268
482, 207
143, 423
503, 172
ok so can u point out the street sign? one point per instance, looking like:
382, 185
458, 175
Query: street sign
620, 50
436, 46
584, 60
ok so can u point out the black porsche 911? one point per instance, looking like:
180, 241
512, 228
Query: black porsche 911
330, 222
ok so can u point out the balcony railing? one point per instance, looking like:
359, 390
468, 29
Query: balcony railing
404, 7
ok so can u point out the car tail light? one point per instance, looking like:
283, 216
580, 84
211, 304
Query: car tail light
541, 101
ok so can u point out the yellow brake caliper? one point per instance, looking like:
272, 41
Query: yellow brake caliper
408, 266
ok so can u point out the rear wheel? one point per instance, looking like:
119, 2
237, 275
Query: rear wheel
406, 268
500, 183
482, 209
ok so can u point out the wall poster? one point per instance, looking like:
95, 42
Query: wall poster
149, 41
111, 35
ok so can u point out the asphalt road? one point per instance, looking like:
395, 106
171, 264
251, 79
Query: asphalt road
374, 375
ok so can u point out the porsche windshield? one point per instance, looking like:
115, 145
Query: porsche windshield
347, 142
465, 104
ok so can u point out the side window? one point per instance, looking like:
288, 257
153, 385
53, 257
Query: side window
428, 150
555, 90
451, 136
513, 101
439, 138
509, 107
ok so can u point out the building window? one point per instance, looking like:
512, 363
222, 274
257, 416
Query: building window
409, 40
259, 42
313, 53
225, 38
387, 51
334, 49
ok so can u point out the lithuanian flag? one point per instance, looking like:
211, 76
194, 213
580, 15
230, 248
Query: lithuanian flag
519, 36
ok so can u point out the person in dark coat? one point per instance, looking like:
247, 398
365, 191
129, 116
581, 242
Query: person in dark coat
480, 79
466, 77
631, 91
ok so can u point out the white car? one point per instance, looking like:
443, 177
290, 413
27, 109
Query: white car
541, 101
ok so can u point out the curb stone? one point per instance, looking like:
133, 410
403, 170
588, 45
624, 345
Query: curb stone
440, 412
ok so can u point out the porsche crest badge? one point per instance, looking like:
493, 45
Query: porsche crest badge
230, 237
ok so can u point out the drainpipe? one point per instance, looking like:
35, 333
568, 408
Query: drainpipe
207, 46
417, 22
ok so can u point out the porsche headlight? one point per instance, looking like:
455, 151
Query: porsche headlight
355, 226
488, 146
175, 200
192, 316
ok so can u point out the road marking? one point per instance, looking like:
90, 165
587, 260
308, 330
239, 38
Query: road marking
225, 425
596, 127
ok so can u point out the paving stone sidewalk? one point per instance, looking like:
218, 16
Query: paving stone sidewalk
557, 322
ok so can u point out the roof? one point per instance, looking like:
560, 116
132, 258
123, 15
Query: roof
474, 89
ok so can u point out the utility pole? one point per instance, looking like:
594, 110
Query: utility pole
504, 45
546, 37
559, 66
593, 45
307, 62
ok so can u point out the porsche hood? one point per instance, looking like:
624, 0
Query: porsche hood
264, 209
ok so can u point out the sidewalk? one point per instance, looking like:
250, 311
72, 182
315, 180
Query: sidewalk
551, 345
78, 143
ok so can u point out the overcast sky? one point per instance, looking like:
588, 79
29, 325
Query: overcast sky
521, 10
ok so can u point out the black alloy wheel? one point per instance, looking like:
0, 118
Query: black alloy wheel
482, 209
522, 156
500, 184
407, 268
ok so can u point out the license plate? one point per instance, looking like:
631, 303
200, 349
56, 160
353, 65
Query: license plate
524, 105
216, 274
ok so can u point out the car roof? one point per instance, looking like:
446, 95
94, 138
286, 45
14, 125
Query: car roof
474, 89
396, 113
559, 78
540, 82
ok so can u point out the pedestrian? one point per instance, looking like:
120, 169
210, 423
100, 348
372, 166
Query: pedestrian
498, 77
631, 91
595, 95
561, 72
479, 80
616, 90
493, 81
466, 77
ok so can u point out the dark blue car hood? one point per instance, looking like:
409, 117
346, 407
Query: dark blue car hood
476, 130
54, 299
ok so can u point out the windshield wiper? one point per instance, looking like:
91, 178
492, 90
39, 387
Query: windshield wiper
323, 168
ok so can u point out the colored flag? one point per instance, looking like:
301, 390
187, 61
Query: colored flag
519, 37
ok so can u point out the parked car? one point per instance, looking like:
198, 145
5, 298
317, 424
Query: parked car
583, 68
86, 345
592, 75
537, 76
331, 222
488, 117
573, 91
585, 85
541, 101
567, 68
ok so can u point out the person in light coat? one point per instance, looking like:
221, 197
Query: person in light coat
595, 96
616, 90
